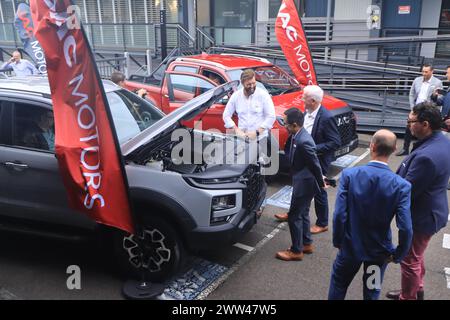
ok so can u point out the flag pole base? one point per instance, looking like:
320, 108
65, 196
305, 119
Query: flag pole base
141, 290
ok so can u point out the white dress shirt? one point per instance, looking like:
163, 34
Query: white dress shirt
309, 120
254, 112
423, 93
21, 68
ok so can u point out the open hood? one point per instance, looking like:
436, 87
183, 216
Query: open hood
172, 121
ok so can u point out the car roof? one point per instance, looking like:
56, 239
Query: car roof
39, 84
228, 61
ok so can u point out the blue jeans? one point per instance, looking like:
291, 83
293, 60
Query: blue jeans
345, 268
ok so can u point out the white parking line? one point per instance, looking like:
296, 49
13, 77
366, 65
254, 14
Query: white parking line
447, 276
243, 247
6, 295
354, 163
243, 260
446, 241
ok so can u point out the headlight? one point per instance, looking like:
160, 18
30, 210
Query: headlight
223, 202
216, 180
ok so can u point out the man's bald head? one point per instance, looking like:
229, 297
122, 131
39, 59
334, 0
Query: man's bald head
383, 143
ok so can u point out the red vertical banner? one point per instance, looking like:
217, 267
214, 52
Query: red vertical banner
86, 144
293, 42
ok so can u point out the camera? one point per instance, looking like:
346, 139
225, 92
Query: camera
443, 125
330, 182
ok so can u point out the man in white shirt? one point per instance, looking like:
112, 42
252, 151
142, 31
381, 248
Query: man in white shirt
421, 91
20, 66
254, 107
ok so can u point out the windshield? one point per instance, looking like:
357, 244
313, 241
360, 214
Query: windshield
273, 79
131, 114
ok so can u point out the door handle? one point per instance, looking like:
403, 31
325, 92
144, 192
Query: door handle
166, 96
14, 165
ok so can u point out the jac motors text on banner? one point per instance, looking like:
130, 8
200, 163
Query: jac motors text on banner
293, 42
86, 145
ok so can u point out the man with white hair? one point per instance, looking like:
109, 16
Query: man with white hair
21, 67
319, 122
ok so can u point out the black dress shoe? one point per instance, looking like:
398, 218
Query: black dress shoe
402, 153
395, 295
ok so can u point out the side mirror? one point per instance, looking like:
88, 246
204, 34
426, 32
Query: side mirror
224, 100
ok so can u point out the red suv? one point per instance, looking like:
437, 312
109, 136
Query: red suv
189, 76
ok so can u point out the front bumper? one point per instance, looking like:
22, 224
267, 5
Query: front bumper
227, 233
345, 149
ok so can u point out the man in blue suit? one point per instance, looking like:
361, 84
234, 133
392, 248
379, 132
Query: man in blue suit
369, 197
307, 180
427, 168
320, 124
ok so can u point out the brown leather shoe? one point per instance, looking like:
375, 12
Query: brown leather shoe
316, 229
308, 248
288, 255
282, 217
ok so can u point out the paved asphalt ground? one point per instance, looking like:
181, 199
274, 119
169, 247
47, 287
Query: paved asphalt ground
34, 268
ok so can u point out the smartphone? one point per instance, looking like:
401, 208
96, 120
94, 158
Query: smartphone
330, 182
441, 91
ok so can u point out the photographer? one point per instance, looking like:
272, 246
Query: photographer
442, 98
119, 79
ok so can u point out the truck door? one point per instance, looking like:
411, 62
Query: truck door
183, 87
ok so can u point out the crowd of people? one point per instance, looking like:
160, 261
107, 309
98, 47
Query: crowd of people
369, 197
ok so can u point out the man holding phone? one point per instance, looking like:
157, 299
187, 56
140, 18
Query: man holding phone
21, 67
421, 91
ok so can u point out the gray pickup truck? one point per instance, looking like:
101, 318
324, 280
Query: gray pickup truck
183, 207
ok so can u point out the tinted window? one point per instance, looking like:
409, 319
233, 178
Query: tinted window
189, 84
131, 114
185, 69
33, 127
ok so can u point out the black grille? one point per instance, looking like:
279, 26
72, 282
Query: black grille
346, 123
254, 181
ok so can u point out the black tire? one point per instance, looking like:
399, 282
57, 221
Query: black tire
163, 256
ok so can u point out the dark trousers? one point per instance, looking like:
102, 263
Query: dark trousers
299, 226
408, 138
345, 268
321, 207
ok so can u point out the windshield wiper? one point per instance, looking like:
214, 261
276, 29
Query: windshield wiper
292, 90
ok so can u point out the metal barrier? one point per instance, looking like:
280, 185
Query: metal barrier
377, 91
110, 37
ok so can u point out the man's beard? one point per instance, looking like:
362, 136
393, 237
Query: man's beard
250, 91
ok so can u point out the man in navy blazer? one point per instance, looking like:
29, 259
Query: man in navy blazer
369, 197
427, 168
307, 180
319, 122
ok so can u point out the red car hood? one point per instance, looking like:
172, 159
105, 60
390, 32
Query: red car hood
286, 101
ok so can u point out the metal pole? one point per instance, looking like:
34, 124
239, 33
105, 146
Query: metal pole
327, 35
99, 8
126, 69
147, 36
162, 20
149, 62
115, 21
